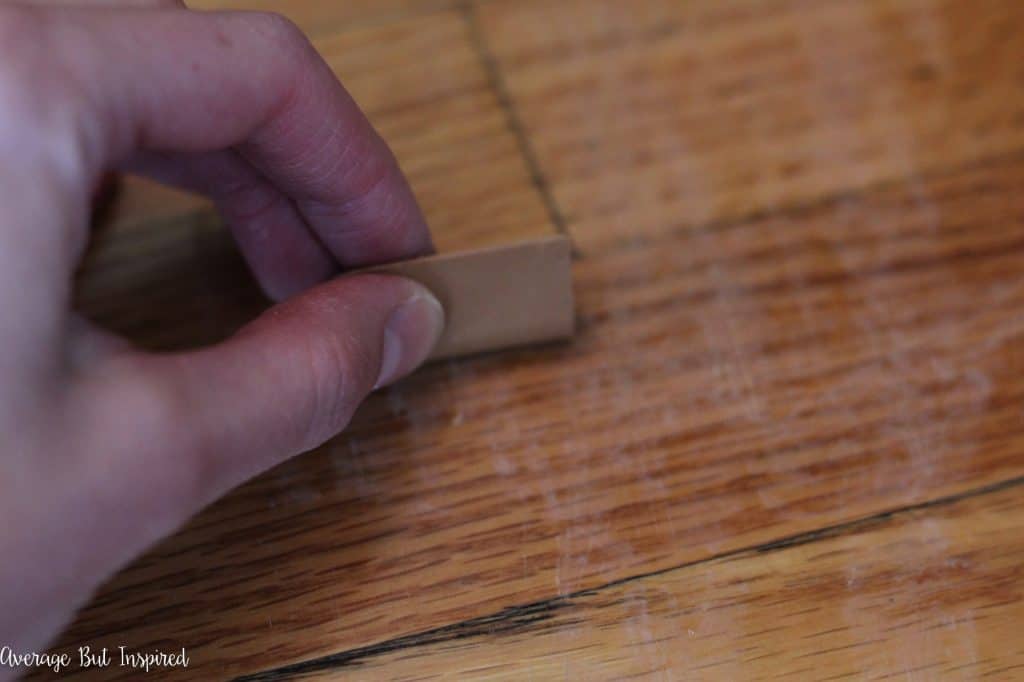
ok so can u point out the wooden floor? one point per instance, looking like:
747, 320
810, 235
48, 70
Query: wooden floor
789, 437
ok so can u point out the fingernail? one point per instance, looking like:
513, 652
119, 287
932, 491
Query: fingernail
411, 332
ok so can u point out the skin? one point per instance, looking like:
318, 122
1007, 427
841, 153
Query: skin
106, 449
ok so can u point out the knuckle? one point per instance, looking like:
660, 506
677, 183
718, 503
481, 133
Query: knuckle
156, 447
365, 183
246, 201
375, 175
280, 31
336, 369
292, 53
41, 99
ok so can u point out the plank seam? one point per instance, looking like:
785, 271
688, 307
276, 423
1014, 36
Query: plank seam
512, 118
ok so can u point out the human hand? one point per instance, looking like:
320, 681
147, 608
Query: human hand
107, 449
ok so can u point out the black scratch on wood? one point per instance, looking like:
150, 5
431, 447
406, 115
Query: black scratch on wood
543, 615
514, 619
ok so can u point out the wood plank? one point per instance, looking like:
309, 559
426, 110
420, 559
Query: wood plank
730, 386
424, 86
654, 114
933, 594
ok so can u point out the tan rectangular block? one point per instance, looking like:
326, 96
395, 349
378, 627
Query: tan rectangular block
498, 297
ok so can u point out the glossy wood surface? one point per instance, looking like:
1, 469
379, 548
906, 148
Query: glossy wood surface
789, 437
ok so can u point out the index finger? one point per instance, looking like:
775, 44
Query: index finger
183, 81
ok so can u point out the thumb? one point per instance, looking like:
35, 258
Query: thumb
188, 427
157, 437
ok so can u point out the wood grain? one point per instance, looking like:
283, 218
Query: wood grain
799, 280
656, 114
870, 600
